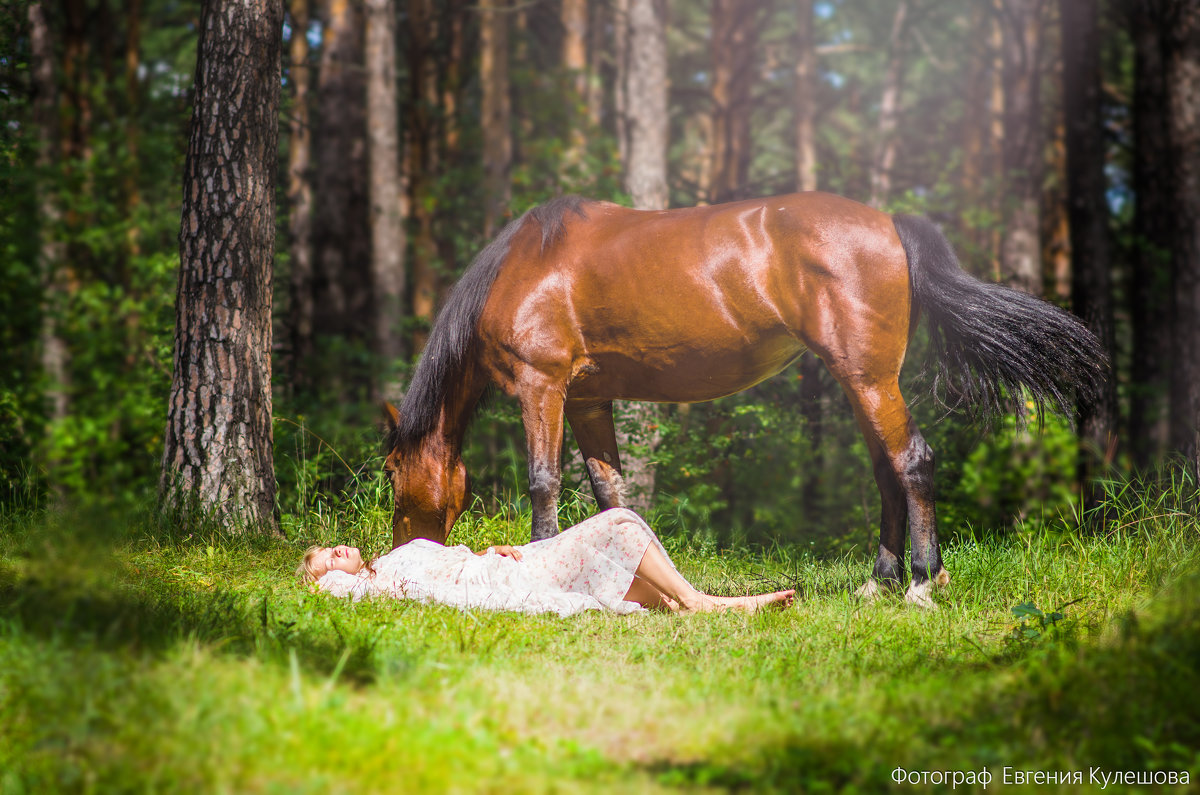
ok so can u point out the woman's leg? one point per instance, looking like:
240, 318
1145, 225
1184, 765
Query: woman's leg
676, 593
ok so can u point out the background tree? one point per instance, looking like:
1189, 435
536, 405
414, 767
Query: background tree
385, 190
219, 444
1020, 252
1182, 36
1091, 288
1149, 295
646, 122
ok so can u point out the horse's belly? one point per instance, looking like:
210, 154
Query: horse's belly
682, 373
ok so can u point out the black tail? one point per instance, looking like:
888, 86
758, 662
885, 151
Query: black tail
990, 340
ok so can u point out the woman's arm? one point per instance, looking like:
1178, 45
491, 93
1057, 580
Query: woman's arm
504, 550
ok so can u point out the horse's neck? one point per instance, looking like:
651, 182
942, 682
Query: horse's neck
458, 408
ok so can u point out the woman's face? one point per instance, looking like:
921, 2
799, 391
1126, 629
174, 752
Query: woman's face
339, 558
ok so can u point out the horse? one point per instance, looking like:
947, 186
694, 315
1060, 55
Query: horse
578, 303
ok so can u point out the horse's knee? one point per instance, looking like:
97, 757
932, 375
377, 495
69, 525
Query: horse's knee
916, 467
544, 482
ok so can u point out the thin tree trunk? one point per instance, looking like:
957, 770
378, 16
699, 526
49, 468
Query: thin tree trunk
387, 229
341, 233
425, 163
646, 180
55, 280
300, 202
1183, 98
734, 35
621, 81
889, 110
646, 94
497, 113
218, 436
1091, 289
804, 97
574, 17
1149, 297
1020, 251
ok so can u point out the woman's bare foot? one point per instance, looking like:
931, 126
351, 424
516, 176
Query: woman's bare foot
748, 604
756, 602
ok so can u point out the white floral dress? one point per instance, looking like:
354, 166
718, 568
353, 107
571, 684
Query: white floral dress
588, 567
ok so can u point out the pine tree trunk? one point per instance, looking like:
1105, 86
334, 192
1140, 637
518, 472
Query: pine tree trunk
646, 180
889, 110
646, 94
341, 234
1149, 296
804, 97
300, 203
734, 35
574, 17
1091, 289
1020, 250
218, 437
497, 113
1183, 98
387, 229
52, 252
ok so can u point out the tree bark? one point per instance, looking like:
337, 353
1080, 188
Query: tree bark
804, 97
387, 229
1150, 300
1091, 288
889, 110
1020, 250
1183, 98
574, 17
646, 180
646, 113
342, 300
983, 135
52, 253
621, 81
734, 35
497, 113
300, 202
218, 437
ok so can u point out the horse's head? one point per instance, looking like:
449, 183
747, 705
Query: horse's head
429, 483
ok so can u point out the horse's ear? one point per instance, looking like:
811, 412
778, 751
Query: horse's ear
391, 416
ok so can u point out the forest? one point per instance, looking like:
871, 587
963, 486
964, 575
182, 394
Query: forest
1053, 143
227, 229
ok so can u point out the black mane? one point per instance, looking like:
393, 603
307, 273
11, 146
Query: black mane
455, 329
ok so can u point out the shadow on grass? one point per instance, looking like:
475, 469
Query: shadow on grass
142, 623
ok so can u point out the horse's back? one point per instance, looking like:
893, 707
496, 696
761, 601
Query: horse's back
695, 303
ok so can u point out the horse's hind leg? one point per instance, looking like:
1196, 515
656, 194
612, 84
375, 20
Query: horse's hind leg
592, 424
904, 471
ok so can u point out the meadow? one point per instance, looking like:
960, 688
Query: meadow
152, 655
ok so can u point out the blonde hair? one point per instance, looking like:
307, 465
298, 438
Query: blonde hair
307, 572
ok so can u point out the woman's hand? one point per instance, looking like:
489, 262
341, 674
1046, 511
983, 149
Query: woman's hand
503, 550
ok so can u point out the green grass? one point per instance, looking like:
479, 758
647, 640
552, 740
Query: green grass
151, 658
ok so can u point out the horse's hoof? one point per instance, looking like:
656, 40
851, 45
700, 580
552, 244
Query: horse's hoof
872, 589
942, 579
869, 591
920, 594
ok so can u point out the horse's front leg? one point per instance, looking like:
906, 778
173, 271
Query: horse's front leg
542, 413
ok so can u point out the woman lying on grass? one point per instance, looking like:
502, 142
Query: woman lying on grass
611, 561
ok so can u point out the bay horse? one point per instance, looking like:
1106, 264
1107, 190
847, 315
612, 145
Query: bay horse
578, 303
